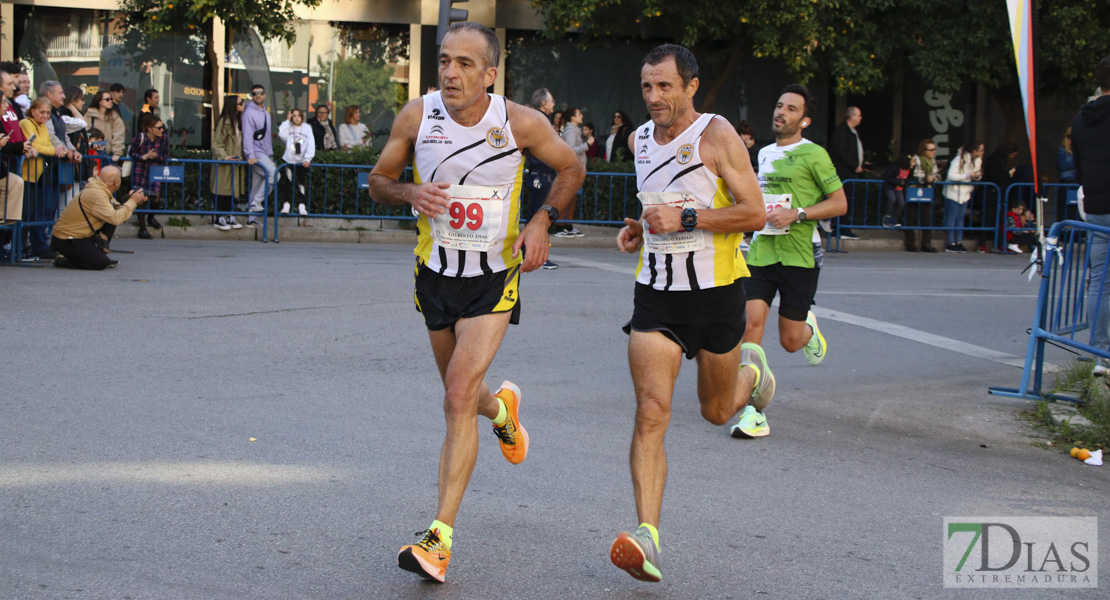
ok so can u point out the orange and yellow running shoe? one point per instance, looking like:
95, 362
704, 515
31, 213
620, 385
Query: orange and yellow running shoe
514, 439
427, 558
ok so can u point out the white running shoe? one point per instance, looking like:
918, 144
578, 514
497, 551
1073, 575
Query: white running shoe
285, 208
302, 210
255, 207
1014, 248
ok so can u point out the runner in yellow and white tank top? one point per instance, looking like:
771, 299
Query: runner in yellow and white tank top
466, 146
674, 174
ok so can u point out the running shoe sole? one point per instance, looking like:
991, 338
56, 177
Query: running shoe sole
627, 554
751, 435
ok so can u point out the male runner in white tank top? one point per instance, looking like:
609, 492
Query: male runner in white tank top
466, 146
700, 194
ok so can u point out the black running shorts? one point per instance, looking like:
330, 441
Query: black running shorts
796, 287
444, 300
711, 319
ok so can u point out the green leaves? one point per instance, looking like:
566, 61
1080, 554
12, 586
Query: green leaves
271, 18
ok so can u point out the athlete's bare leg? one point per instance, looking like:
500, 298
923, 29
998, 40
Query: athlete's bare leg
723, 388
654, 361
463, 358
793, 335
755, 316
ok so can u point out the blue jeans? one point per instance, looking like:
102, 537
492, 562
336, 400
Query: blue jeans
954, 220
1097, 300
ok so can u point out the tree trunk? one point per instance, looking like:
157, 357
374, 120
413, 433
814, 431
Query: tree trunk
736, 51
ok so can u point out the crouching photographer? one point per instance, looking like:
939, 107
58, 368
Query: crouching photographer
83, 232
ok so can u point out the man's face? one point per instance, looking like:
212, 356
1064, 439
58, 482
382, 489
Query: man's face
24, 81
856, 119
154, 100
576, 118
463, 74
548, 105
7, 85
117, 96
56, 95
322, 114
748, 140
666, 98
789, 115
258, 96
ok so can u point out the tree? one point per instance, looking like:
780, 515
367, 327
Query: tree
270, 18
365, 83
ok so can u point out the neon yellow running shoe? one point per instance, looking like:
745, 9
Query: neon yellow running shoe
752, 424
815, 349
752, 356
636, 553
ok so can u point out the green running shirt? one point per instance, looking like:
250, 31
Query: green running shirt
805, 171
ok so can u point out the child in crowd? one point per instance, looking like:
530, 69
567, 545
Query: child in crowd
97, 147
1019, 218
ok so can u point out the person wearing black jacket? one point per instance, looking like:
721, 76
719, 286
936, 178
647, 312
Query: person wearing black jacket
894, 190
1090, 146
323, 132
997, 169
846, 151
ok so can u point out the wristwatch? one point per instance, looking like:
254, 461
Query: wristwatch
552, 212
689, 219
801, 215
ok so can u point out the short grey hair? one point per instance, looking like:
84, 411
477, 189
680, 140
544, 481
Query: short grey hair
493, 50
47, 86
539, 97
851, 112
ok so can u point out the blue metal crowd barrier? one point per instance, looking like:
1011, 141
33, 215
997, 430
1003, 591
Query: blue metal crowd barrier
1063, 197
925, 204
190, 186
11, 213
1061, 313
606, 199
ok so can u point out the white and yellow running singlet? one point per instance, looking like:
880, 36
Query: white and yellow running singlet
476, 235
677, 167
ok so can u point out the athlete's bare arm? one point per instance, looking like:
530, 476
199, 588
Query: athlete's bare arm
834, 205
534, 133
429, 198
724, 154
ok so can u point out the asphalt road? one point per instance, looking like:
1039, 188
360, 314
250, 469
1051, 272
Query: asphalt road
128, 399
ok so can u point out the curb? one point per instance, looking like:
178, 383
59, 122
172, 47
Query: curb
1059, 413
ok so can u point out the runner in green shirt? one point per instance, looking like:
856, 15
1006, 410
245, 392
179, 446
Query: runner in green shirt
800, 187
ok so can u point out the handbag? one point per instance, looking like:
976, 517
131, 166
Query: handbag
125, 169
98, 241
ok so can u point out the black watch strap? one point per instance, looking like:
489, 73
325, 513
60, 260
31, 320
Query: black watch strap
552, 212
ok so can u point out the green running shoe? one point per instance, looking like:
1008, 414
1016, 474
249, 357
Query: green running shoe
751, 355
636, 553
815, 349
752, 424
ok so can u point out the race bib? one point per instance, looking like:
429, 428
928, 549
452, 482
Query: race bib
671, 243
473, 219
771, 202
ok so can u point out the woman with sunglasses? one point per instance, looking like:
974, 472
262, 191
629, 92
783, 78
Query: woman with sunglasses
616, 146
926, 172
104, 115
150, 148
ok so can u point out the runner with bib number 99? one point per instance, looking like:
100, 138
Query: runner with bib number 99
466, 147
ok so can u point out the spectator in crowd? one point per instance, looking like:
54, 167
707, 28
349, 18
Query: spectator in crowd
998, 169
73, 106
323, 132
104, 115
540, 176
616, 145
52, 90
560, 122
352, 133
229, 182
572, 135
926, 172
967, 166
1090, 145
151, 100
117, 90
1020, 217
846, 151
149, 148
592, 150
258, 147
97, 148
747, 135
12, 145
23, 98
15, 111
894, 184
300, 147
87, 225
39, 197
1065, 165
